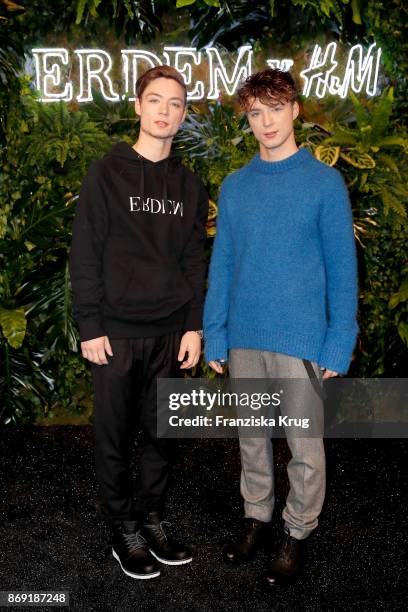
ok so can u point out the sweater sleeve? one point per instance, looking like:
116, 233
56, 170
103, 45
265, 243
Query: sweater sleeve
220, 280
89, 232
194, 263
339, 250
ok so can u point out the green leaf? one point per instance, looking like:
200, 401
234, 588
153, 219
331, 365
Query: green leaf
399, 296
341, 138
362, 116
355, 7
380, 118
358, 159
390, 163
81, 5
80, 10
93, 9
393, 203
400, 190
327, 154
13, 324
129, 9
12, 6
403, 331
181, 3
393, 141
49, 303
212, 3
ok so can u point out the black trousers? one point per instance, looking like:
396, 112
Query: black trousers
125, 401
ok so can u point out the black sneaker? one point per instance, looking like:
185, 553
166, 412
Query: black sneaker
130, 550
160, 544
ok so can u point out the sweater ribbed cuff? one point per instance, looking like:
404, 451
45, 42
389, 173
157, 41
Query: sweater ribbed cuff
216, 348
335, 357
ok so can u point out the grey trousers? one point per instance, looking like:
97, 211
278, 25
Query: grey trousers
307, 467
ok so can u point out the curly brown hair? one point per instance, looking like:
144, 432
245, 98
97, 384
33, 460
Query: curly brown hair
271, 86
168, 72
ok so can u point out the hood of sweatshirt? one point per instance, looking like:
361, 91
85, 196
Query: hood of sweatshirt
143, 224
125, 155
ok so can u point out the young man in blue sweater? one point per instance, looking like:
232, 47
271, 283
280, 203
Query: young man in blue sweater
282, 303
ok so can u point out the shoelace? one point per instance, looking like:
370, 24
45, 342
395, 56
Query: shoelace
134, 541
158, 530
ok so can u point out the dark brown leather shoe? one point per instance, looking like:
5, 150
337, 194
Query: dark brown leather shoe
246, 547
285, 567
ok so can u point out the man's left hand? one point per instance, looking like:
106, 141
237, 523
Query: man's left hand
191, 344
329, 373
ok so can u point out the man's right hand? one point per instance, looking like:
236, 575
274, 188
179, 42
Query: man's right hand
94, 350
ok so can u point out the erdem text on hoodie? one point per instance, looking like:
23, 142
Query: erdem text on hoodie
137, 260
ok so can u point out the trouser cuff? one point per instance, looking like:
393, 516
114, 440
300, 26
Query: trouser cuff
297, 532
258, 512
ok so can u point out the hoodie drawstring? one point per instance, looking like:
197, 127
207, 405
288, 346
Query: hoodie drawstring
166, 170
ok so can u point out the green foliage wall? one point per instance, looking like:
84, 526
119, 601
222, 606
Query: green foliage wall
46, 149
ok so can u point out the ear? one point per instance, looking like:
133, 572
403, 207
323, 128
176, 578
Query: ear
295, 110
138, 109
248, 120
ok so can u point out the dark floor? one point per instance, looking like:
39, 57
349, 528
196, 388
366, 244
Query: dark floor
51, 536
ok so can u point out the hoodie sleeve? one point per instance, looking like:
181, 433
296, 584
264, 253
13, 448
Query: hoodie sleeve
194, 263
337, 235
89, 232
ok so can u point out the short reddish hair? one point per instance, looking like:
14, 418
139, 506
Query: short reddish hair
158, 72
271, 86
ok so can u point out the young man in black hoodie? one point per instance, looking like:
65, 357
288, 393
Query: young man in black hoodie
137, 266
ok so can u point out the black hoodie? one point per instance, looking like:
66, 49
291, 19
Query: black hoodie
137, 260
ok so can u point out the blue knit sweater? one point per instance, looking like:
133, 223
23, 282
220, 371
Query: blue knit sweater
283, 273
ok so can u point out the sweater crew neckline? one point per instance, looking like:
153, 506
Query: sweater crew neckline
274, 167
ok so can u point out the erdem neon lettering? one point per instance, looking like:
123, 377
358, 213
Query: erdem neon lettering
321, 77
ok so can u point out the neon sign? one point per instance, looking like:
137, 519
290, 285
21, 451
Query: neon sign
321, 77
360, 70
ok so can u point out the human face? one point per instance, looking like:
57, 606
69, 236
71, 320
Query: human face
272, 126
161, 108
